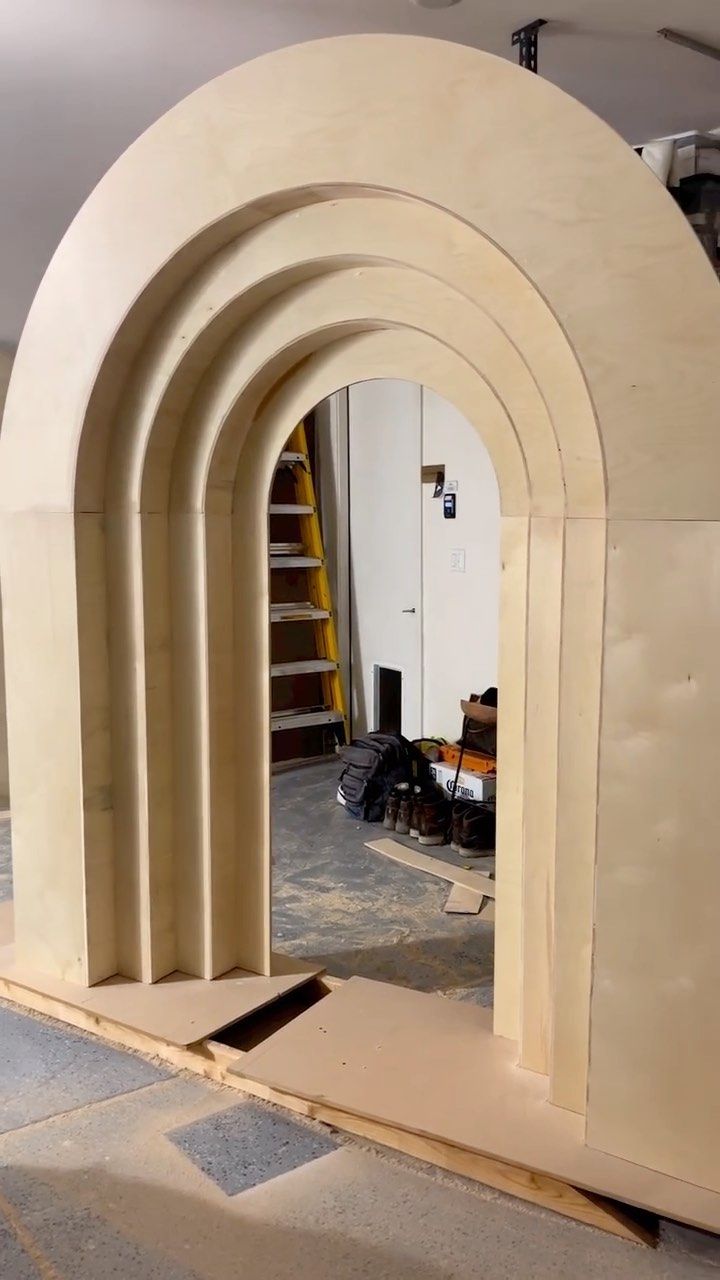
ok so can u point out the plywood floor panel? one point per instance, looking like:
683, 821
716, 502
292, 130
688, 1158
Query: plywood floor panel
178, 1010
432, 1066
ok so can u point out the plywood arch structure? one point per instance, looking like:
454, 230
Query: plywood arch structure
210, 291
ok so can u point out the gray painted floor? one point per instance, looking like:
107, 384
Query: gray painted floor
5, 856
359, 913
181, 1179
111, 1166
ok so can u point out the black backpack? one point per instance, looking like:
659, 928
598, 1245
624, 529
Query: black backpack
372, 766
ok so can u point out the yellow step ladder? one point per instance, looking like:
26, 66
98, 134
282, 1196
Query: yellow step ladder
309, 555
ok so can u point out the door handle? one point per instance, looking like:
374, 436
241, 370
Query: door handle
408, 611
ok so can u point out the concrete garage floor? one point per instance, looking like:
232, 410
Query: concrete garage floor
114, 1165
359, 913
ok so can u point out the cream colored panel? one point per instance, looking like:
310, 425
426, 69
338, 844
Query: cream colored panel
251, 603
580, 668
604, 245
311, 242
190, 742
655, 1013
126, 709
157, 772
227, 752
371, 298
512, 660
100, 872
43, 703
540, 788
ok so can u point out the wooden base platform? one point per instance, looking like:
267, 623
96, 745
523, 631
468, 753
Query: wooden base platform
178, 1010
419, 1074
223, 1064
431, 1067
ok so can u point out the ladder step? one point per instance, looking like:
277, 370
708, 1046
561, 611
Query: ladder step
295, 562
305, 667
303, 719
290, 509
301, 612
287, 548
288, 458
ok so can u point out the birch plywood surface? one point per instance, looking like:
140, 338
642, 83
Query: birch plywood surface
257, 258
405, 1058
178, 1010
655, 1011
433, 866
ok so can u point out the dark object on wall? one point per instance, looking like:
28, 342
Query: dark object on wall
388, 716
526, 39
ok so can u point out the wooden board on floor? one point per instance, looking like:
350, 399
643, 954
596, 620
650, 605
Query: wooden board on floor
433, 866
463, 901
178, 1010
403, 1058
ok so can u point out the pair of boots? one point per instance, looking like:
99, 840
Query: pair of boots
473, 827
417, 811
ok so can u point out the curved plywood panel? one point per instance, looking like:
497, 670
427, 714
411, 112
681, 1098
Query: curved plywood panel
251, 253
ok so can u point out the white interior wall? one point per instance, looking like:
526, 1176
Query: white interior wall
460, 608
384, 417
6, 363
398, 533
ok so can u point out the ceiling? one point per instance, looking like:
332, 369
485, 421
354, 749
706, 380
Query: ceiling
82, 78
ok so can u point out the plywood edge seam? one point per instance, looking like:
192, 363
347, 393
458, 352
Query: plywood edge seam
219, 1062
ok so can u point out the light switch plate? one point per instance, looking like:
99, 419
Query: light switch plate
457, 560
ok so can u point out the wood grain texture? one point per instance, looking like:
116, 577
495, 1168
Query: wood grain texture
540, 788
511, 737
211, 287
580, 678
421, 861
463, 901
177, 1010
403, 1075
655, 1014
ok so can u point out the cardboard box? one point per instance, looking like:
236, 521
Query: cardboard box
472, 761
471, 786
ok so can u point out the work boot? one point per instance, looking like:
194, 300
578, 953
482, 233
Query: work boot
420, 795
476, 832
434, 816
391, 811
404, 814
459, 809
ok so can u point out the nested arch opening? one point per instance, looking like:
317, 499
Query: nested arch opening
170, 517
213, 274
244, 350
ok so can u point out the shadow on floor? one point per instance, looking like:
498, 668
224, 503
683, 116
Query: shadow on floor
140, 1229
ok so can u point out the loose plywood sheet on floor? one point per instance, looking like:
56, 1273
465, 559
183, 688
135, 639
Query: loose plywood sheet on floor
405, 1058
655, 1012
463, 901
433, 866
179, 1009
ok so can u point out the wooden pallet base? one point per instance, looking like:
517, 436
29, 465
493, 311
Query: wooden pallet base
219, 1062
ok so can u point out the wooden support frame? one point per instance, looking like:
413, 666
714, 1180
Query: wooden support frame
194, 311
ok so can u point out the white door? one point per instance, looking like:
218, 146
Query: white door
385, 450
